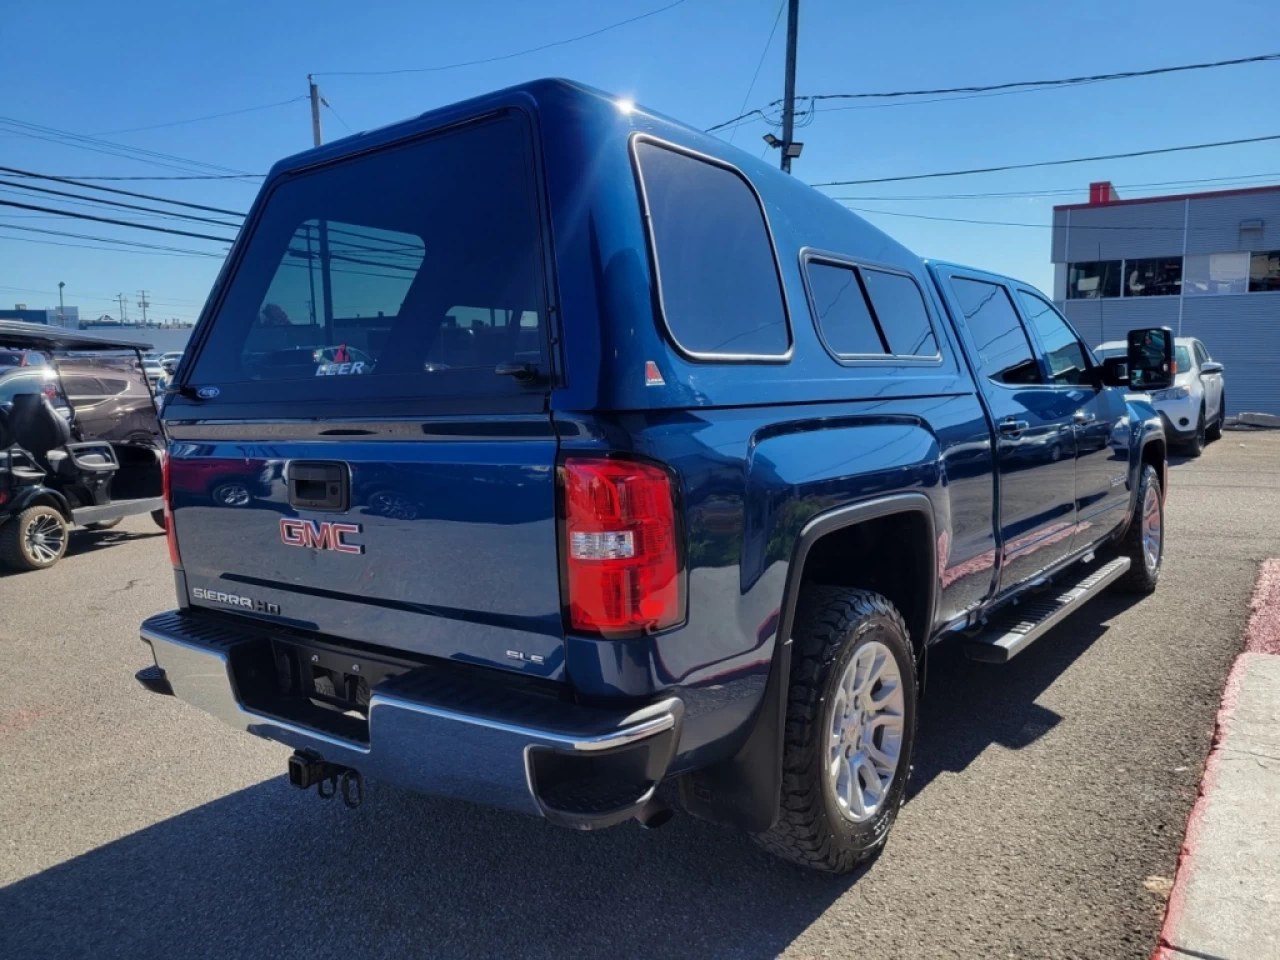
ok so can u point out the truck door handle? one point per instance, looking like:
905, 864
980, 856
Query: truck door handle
1010, 425
1082, 418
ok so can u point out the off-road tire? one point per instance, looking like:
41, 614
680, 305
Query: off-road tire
1214, 432
1140, 578
104, 524
831, 624
1195, 446
15, 553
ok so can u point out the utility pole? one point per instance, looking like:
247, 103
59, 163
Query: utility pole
122, 300
144, 303
62, 320
789, 93
315, 110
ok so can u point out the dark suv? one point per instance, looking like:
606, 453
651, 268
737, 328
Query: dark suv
541, 450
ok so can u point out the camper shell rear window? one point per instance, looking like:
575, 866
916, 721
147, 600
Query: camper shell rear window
410, 271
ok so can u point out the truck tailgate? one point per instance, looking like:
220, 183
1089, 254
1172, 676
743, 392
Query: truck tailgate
443, 547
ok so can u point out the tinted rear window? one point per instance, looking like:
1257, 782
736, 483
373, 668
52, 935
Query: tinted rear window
717, 275
843, 316
900, 309
411, 271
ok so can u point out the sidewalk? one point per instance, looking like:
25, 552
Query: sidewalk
1225, 903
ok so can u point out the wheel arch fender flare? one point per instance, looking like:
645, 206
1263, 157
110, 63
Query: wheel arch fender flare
42, 495
744, 790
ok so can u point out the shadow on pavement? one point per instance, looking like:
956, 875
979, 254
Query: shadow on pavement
969, 706
270, 872
88, 541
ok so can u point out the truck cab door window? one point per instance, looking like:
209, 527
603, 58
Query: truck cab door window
1066, 355
1004, 353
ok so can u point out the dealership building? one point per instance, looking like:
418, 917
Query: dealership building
1205, 264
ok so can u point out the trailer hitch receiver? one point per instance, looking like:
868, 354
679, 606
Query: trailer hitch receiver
308, 769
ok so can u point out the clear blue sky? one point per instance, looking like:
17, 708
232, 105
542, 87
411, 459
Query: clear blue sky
94, 68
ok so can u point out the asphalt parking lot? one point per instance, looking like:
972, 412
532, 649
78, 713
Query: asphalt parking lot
1048, 803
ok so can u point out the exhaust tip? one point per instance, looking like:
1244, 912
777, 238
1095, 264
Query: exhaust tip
654, 814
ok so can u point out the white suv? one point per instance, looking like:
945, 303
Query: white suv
1194, 408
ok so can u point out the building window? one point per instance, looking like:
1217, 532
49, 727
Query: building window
1156, 277
1264, 271
1099, 278
1215, 273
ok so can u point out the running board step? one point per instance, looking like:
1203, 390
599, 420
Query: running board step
1014, 629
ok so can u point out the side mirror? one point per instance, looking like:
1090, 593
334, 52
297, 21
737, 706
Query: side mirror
1151, 358
1211, 366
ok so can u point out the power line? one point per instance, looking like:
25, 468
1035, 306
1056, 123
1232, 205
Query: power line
119, 223
211, 116
505, 56
337, 116
124, 243
116, 203
123, 151
1010, 85
75, 182
763, 53
1062, 82
1246, 178
1048, 163
76, 294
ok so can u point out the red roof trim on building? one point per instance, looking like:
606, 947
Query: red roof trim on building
1239, 192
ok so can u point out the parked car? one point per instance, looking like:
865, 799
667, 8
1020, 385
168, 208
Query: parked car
684, 493
1195, 407
153, 369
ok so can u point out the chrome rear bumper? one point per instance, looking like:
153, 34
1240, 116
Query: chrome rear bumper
444, 733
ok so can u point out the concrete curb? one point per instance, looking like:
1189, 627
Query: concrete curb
1199, 921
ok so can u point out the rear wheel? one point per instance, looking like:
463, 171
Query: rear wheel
1143, 542
35, 539
158, 517
104, 524
850, 729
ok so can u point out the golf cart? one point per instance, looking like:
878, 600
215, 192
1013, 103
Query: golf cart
62, 466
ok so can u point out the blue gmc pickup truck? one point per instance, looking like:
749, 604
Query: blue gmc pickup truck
541, 451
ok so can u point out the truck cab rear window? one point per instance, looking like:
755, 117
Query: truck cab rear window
717, 276
418, 267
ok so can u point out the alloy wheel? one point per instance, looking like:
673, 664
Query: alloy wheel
868, 720
46, 538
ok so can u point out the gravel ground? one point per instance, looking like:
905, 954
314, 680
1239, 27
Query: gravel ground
1048, 803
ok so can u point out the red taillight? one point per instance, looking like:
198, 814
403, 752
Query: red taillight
622, 560
50, 391
169, 533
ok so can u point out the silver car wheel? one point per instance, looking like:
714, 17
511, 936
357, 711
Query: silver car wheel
1152, 530
46, 539
865, 737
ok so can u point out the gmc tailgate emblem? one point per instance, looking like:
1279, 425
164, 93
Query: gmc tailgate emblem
319, 535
